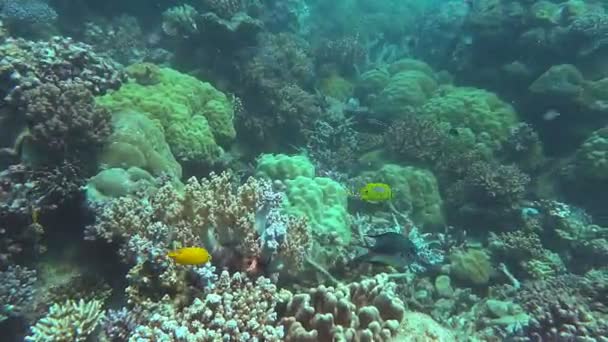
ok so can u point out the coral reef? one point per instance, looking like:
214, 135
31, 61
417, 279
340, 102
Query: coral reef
27, 64
69, 321
65, 120
17, 291
363, 311
196, 117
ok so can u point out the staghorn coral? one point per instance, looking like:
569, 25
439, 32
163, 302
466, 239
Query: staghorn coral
16, 291
70, 321
365, 311
65, 119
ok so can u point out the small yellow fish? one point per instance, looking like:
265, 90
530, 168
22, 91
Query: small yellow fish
376, 192
190, 256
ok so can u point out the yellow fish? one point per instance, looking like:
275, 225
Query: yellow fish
376, 192
190, 256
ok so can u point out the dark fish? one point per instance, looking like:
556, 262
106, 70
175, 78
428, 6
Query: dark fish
392, 249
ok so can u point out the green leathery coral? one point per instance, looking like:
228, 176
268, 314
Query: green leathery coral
322, 201
196, 117
282, 166
68, 322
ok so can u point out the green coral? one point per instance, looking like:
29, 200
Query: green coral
471, 266
371, 83
138, 141
196, 117
591, 159
415, 191
336, 86
282, 166
409, 64
322, 201
405, 89
480, 111
68, 322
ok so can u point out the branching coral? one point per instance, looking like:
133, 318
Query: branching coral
16, 291
224, 8
559, 312
69, 321
236, 308
26, 195
242, 220
28, 64
65, 119
495, 184
180, 20
364, 311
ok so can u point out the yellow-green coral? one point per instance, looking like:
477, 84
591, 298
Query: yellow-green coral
322, 201
336, 86
481, 111
282, 166
471, 266
196, 117
415, 192
406, 88
68, 322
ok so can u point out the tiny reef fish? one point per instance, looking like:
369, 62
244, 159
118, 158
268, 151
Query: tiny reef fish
190, 256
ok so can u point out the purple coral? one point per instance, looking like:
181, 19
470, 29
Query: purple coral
65, 118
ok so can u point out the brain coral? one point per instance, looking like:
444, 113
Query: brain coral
196, 117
